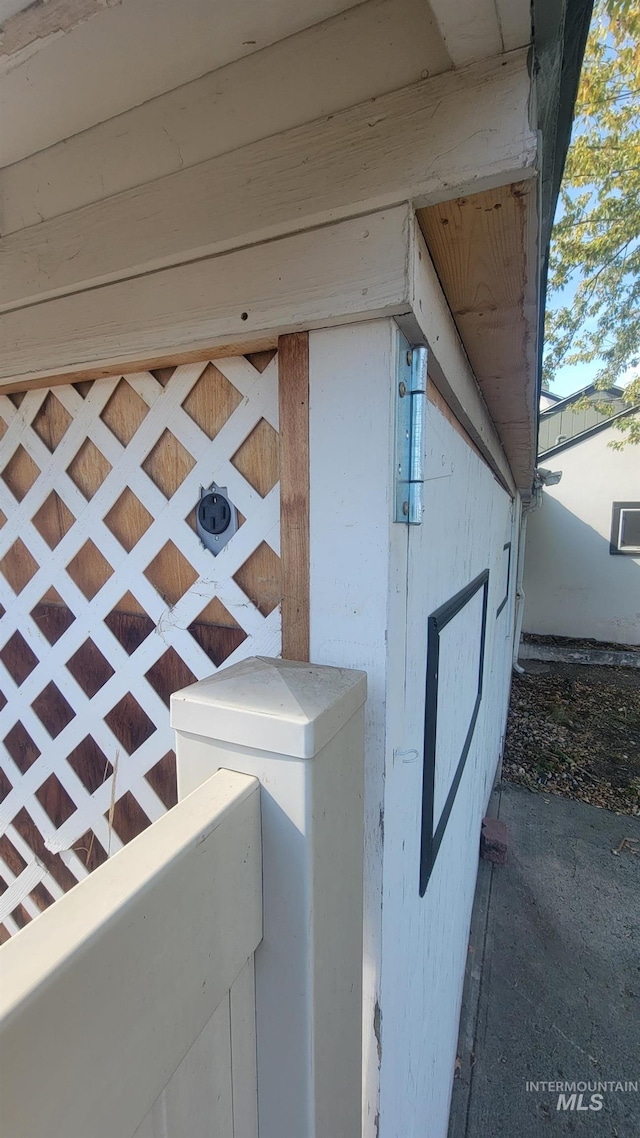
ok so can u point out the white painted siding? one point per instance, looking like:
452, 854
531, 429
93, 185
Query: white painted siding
373, 585
572, 584
467, 522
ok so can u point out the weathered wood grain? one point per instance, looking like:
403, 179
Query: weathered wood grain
484, 248
469, 28
293, 388
373, 48
349, 271
473, 132
430, 321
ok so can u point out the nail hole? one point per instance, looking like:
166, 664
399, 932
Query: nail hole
244, 315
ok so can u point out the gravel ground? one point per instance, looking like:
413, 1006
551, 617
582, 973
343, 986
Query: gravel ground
571, 643
574, 730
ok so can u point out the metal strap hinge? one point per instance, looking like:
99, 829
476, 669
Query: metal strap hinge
411, 401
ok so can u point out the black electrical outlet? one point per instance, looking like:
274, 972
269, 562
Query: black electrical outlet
216, 518
214, 513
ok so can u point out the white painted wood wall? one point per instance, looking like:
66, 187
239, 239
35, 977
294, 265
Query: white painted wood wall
128, 1007
373, 585
467, 521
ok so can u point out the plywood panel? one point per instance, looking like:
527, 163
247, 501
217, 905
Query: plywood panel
88, 469
124, 412
51, 422
168, 463
484, 249
261, 579
258, 460
212, 400
20, 472
128, 519
53, 520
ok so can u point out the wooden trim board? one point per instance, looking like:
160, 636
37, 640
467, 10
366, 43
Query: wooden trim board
293, 388
353, 270
363, 53
456, 133
235, 347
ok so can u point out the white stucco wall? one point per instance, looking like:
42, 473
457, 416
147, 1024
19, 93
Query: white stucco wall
373, 585
573, 585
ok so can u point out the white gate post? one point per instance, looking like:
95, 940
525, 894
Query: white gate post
299, 728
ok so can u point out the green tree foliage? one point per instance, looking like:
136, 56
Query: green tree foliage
596, 238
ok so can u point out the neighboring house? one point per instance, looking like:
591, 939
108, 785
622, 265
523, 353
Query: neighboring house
223, 255
582, 559
548, 399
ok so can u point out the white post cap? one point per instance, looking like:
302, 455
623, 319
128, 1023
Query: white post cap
282, 706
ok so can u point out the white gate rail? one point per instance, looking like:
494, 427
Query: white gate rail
138, 979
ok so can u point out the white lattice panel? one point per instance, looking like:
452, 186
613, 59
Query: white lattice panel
109, 601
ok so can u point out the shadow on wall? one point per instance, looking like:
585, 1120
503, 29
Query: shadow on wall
573, 585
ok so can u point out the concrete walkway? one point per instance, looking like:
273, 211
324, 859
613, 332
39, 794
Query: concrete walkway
552, 991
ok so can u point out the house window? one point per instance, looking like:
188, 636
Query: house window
625, 529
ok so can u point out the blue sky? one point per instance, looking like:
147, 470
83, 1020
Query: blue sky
569, 379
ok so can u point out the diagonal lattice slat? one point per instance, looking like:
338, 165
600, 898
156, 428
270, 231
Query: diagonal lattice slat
109, 601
